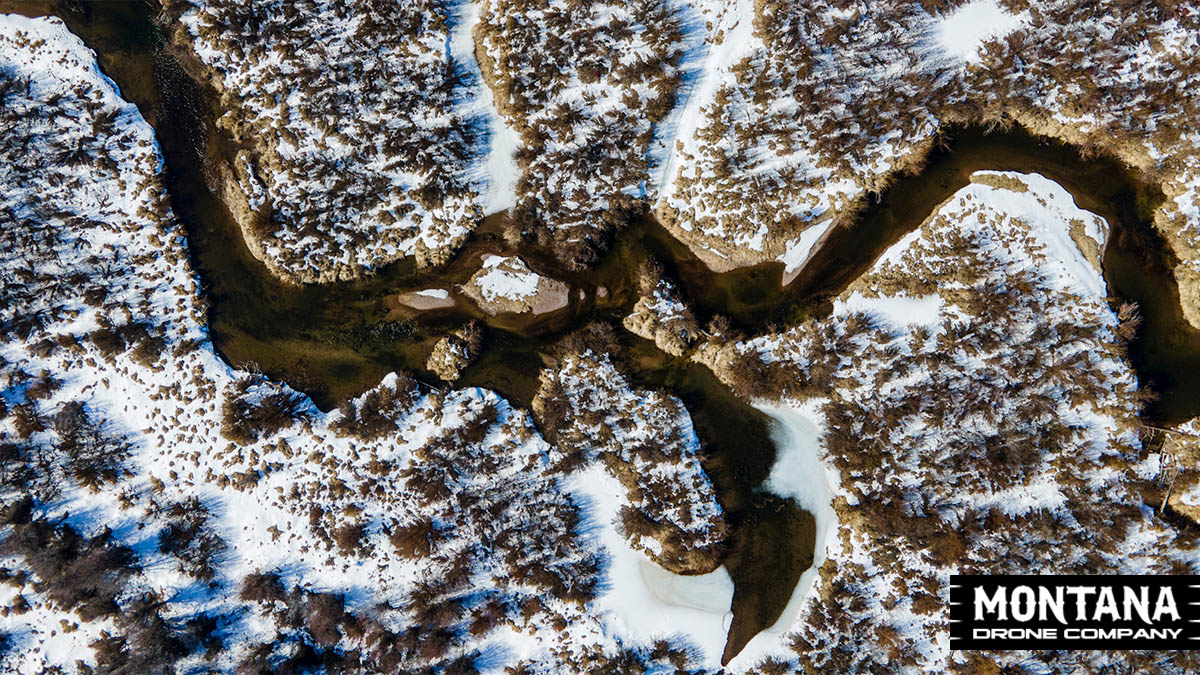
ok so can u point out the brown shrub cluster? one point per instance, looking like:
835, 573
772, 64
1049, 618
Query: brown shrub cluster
586, 103
316, 631
355, 135
256, 408
590, 412
189, 537
51, 451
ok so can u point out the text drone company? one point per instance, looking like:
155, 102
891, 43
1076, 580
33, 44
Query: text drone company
1080, 612
1075, 633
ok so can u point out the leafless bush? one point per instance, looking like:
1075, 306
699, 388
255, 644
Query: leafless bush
84, 574
377, 413
262, 587
188, 537
256, 409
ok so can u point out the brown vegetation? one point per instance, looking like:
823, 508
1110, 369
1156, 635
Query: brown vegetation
256, 408
643, 439
580, 158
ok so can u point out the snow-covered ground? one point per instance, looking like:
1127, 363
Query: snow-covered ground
499, 171
508, 278
594, 414
968, 404
726, 30
507, 284
752, 179
797, 251
360, 144
896, 311
963, 31
592, 90
817, 105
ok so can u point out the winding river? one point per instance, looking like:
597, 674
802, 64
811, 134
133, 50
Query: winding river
335, 341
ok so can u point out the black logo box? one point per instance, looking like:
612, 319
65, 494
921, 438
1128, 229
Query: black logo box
976, 621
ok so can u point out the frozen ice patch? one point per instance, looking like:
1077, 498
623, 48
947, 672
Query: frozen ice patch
798, 251
712, 592
643, 601
799, 475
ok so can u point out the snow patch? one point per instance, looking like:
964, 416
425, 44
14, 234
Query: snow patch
499, 173
963, 31
896, 311
797, 251
507, 278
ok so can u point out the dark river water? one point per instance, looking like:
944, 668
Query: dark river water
334, 341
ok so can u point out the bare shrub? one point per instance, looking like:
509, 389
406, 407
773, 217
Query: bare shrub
256, 409
262, 587
376, 413
189, 537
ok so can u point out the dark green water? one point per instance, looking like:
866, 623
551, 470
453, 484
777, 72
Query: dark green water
333, 341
